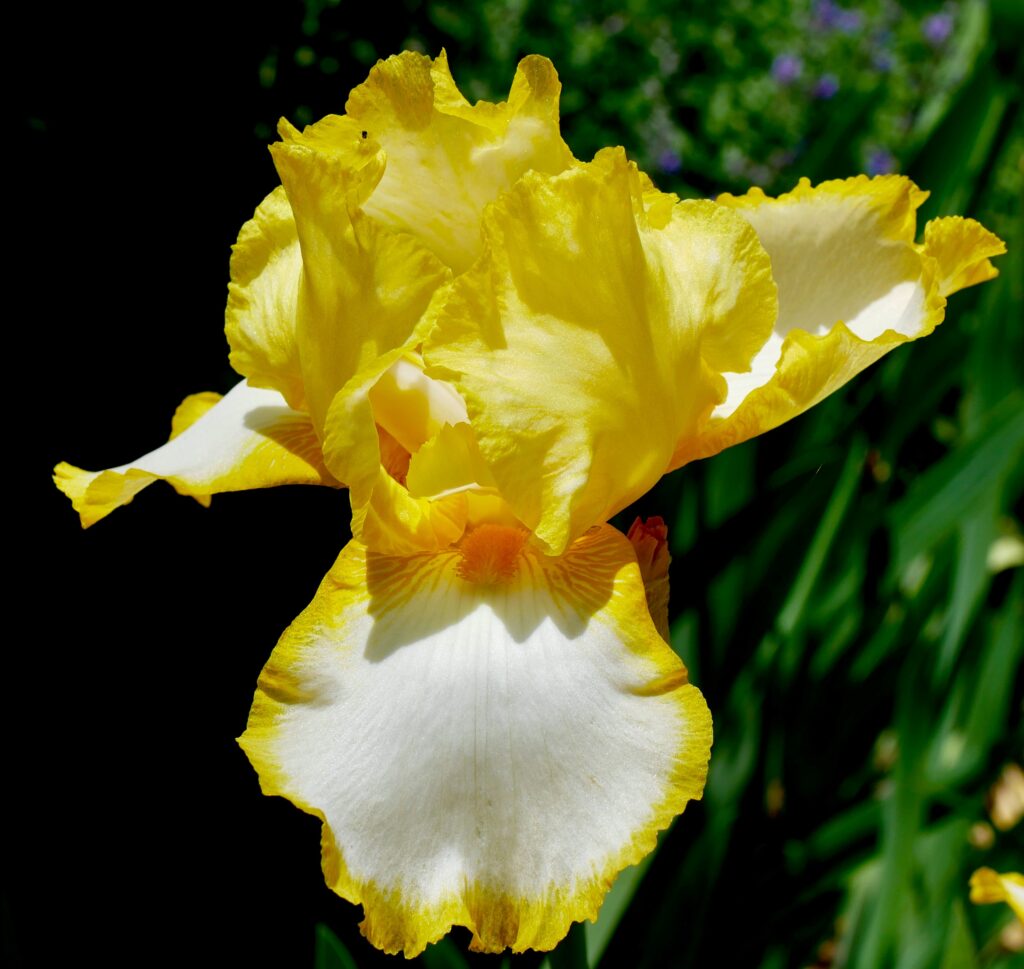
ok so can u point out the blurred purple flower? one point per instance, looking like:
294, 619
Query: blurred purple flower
828, 15
670, 162
881, 162
825, 14
937, 28
786, 68
826, 86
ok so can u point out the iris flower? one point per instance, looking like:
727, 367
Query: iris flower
497, 347
989, 886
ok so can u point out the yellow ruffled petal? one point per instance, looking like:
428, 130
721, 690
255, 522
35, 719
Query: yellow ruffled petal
588, 340
448, 463
266, 266
488, 734
248, 439
988, 887
363, 295
377, 196
447, 159
364, 287
852, 286
962, 248
393, 522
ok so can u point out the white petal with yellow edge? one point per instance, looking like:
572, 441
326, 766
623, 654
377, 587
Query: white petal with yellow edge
250, 438
485, 753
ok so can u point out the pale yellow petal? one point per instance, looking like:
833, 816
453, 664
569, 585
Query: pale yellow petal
447, 159
248, 439
412, 407
588, 340
482, 753
266, 266
448, 463
852, 286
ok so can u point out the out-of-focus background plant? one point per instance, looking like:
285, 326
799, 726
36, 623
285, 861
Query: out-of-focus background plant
709, 96
848, 590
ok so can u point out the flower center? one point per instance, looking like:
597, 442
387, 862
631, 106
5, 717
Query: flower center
491, 553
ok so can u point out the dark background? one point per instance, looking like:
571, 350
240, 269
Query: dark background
136, 831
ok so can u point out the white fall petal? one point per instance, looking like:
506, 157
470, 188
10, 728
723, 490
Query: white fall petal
250, 438
485, 753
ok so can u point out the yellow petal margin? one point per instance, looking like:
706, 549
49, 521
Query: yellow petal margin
989, 886
853, 285
447, 159
266, 267
249, 438
590, 337
489, 735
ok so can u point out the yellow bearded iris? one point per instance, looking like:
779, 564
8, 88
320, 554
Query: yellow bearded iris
497, 347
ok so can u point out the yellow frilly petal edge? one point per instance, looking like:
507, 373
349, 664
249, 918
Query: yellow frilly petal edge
961, 249
266, 269
497, 918
989, 887
447, 159
247, 439
955, 254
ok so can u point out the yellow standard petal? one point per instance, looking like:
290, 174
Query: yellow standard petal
989, 887
447, 159
852, 286
250, 438
266, 267
591, 337
386, 202
364, 287
489, 734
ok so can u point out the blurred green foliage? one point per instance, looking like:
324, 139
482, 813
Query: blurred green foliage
847, 591
707, 96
